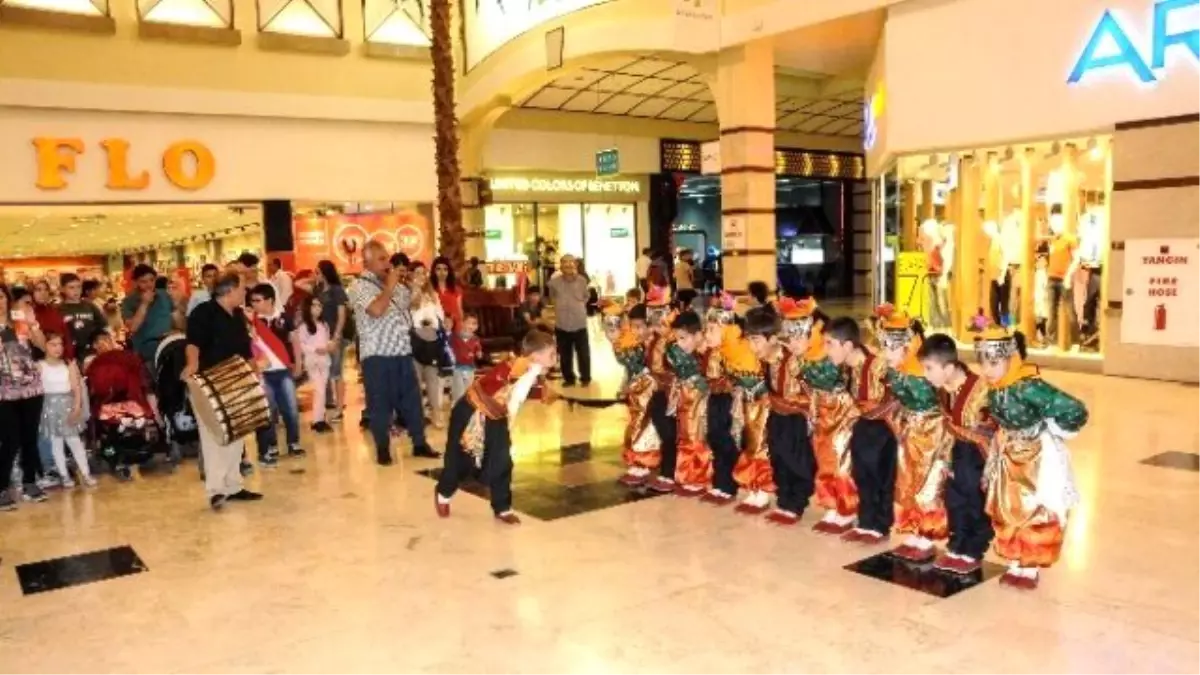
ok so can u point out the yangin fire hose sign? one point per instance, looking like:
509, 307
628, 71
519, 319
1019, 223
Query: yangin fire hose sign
1161, 303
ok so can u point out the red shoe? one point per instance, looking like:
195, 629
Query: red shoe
662, 485
954, 565
865, 537
630, 480
780, 518
913, 554
509, 518
442, 508
831, 528
1019, 581
716, 500
749, 510
686, 491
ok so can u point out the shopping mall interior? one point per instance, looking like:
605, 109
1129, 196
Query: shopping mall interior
992, 467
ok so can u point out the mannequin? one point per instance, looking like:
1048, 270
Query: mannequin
938, 263
1014, 247
1059, 267
997, 273
1088, 277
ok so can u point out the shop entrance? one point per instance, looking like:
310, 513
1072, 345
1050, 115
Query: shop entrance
105, 242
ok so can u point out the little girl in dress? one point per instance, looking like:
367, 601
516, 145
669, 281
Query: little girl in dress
62, 411
313, 338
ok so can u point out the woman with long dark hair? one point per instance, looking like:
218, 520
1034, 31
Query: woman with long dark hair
448, 292
20, 397
335, 312
428, 339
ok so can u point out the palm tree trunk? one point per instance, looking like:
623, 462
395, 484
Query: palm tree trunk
445, 124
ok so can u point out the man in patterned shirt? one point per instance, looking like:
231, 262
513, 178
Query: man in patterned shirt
381, 312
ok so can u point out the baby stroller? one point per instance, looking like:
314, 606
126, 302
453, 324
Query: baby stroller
173, 403
124, 423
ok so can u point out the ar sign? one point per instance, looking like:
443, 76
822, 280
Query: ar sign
1110, 36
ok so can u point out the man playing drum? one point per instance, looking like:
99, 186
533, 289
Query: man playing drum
216, 332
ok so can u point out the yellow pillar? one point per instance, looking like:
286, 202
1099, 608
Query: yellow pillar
1070, 212
745, 95
967, 253
908, 217
926, 211
1028, 241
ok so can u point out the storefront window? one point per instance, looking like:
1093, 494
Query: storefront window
810, 232
602, 235
1011, 236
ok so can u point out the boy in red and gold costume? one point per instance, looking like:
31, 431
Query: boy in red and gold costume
923, 437
754, 471
479, 431
658, 320
689, 356
872, 443
734, 376
626, 330
964, 400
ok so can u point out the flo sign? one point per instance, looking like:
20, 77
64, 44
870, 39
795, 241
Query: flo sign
490, 24
1116, 44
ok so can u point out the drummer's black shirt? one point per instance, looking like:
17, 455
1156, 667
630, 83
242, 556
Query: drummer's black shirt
218, 334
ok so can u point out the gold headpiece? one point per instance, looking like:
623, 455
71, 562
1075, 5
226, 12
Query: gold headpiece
894, 328
797, 318
996, 343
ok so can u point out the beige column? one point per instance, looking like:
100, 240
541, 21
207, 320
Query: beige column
745, 95
473, 139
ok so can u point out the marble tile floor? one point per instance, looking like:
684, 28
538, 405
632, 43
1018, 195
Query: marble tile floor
345, 567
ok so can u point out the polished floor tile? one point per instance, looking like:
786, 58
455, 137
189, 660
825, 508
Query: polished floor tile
1173, 459
79, 569
922, 577
345, 568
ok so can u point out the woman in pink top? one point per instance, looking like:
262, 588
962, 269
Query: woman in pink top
312, 338
449, 294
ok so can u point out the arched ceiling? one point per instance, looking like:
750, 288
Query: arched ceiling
655, 86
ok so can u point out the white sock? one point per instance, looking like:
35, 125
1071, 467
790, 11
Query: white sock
443, 500
912, 541
923, 544
784, 512
80, 454
830, 516
841, 520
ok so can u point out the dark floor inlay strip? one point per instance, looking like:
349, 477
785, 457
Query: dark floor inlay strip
504, 573
923, 577
1174, 459
77, 570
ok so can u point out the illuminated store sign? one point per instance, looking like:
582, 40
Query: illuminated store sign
188, 165
872, 114
491, 23
1115, 44
565, 185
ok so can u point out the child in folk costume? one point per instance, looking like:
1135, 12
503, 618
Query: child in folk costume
658, 319
964, 398
922, 435
479, 430
1028, 481
753, 471
832, 420
872, 443
730, 366
797, 356
642, 447
688, 357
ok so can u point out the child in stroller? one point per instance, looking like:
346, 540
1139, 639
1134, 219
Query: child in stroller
124, 420
173, 404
